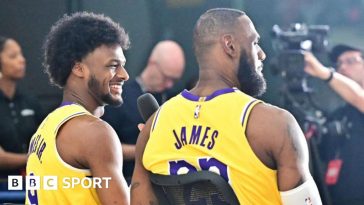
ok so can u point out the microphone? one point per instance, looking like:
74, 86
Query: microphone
147, 105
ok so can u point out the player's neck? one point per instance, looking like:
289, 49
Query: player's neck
207, 87
86, 101
217, 79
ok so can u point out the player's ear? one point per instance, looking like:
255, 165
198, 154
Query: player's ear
79, 69
228, 44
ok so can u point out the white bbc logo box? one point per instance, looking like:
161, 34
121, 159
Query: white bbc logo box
32, 182
51, 182
15, 183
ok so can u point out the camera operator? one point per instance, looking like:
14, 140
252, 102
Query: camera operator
344, 153
348, 81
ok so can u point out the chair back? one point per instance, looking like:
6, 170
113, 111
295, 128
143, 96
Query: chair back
194, 188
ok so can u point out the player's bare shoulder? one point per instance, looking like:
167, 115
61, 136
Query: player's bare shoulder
91, 126
278, 120
88, 131
267, 119
269, 130
271, 112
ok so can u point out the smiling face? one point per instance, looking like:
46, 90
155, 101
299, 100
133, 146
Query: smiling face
106, 74
251, 60
12, 61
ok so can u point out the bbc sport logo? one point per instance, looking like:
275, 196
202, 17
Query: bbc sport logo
51, 182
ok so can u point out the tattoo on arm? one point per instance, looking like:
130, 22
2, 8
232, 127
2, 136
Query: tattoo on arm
294, 134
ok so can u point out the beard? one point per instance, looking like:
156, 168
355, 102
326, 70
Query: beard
250, 81
95, 89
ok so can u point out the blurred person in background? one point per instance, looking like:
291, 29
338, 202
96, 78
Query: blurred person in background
343, 153
20, 113
164, 67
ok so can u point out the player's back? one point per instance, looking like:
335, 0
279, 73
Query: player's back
44, 161
190, 133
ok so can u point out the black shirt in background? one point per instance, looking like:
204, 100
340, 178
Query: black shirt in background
19, 119
349, 188
125, 119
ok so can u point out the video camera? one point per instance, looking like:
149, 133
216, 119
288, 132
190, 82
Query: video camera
290, 44
302, 100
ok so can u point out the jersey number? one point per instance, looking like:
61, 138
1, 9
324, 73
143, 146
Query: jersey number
207, 164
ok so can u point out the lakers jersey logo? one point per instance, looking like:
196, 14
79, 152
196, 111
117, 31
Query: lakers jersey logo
197, 111
198, 107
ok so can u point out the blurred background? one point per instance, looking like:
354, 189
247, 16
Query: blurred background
149, 21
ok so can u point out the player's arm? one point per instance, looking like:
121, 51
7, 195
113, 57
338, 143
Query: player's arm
290, 153
128, 151
114, 117
9, 160
141, 191
103, 155
279, 143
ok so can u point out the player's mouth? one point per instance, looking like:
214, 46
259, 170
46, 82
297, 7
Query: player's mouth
116, 88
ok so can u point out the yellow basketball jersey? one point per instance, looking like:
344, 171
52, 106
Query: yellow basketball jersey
190, 133
44, 161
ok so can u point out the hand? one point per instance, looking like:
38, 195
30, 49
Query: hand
314, 67
141, 126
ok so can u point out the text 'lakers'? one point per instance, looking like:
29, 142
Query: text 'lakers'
37, 145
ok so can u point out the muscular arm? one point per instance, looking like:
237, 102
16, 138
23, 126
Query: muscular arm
279, 143
347, 88
95, 146
290, 153
141, 191
106, 162
9, 160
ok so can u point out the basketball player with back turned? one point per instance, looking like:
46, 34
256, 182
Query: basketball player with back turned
219, 126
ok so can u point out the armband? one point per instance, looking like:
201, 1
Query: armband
306, 193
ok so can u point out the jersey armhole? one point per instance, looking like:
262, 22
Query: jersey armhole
246, 111
155, 120
244, 121
68, 166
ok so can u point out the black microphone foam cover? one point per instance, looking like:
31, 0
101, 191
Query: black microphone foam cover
147, 105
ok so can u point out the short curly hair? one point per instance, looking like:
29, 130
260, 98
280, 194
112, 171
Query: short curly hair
73, 37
